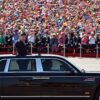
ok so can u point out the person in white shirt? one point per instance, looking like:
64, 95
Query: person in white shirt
92, 39
92, 42
31, 37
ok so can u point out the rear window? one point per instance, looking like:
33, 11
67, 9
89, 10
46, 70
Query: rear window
2, 65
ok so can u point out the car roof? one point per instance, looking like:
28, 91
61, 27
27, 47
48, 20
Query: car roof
41, 55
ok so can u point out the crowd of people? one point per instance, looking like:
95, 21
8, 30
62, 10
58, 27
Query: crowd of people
53, 22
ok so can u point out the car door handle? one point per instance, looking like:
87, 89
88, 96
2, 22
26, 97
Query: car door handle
40, 78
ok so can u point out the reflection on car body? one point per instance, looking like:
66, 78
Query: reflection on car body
45, 76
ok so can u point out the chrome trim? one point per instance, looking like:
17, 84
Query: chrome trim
45, 96
20, 72
40, 77
51, 76
3, 59
37, 72
7, 65
38, 65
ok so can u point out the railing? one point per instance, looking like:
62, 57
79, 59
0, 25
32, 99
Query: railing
62, 50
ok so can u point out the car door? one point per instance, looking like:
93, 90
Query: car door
59, 79
2, 67
17, 81
44, 77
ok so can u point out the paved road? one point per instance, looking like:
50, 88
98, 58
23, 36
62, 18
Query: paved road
89, 64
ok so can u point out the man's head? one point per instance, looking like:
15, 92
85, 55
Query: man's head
23, 37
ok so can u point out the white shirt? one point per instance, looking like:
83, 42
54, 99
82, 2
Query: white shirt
92, 40
31, 38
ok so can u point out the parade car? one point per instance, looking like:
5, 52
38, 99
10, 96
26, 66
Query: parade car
45, 76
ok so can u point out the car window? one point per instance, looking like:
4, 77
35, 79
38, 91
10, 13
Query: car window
22, 65
54, 65
2, 65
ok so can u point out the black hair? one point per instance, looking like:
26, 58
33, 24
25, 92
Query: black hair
23, 34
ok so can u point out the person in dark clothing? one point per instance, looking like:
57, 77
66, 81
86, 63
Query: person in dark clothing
98, 42
8, 40
22, 52
47, 65
23, 64
20, 46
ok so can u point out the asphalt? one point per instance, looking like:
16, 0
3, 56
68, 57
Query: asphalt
89, 64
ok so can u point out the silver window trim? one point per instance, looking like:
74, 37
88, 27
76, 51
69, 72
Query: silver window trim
7, 66
39, 67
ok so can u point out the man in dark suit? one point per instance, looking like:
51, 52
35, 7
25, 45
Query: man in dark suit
22, 52
20, 46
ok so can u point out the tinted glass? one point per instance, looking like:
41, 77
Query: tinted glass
54, 65
22, 65
2, 65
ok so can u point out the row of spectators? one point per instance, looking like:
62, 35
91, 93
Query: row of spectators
71, 40
53, 22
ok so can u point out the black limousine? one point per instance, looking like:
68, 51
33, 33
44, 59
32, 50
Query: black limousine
45, 76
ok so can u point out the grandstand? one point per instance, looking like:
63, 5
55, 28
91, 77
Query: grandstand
68, 27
